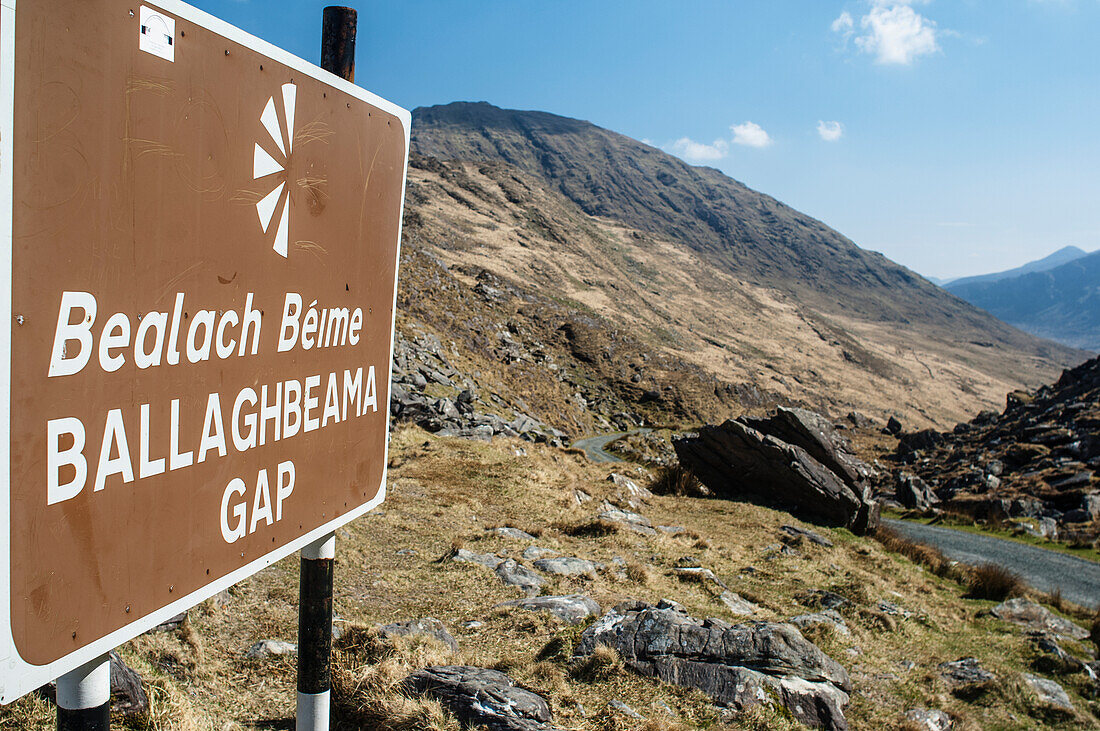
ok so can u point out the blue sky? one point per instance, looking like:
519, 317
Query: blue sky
955, 136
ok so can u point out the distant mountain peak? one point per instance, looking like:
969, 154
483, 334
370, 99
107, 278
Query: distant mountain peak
1063, 256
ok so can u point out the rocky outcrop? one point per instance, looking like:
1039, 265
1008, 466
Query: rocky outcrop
913, 492
1038, 460
421, 361
736, 665
813, 475
482, 697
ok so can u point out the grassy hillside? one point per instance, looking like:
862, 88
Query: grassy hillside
706, 270
447, 492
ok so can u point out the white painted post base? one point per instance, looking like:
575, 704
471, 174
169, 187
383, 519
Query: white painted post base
313, 711
84, 697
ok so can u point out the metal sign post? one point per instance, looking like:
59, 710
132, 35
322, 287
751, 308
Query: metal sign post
200, 236
313, 713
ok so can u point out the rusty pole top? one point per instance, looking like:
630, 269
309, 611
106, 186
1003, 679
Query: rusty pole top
338, 41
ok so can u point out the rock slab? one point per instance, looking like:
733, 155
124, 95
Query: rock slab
572, 608
479, 696
1037, 618
736, 665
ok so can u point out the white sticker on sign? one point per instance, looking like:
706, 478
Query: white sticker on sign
158, 34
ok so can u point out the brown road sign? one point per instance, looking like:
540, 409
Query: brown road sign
201, 236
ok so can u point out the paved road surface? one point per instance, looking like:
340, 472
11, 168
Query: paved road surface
594, 446
1078, 578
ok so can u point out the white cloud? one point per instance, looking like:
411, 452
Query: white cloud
750, 134
693, 151
891, 31
830, 131
843, 24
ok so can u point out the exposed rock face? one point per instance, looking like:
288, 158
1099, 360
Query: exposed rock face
736, 665
421, 361
127, 690
966, 677
739, 461
429, 626
487, 560
568, 566
128, 697
625, 518
478, 696
817, 435
929, 719
829, 617
514, 574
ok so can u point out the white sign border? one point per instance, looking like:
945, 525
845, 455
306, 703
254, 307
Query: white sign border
17, 677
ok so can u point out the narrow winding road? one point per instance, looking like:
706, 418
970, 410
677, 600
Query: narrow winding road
594, 446
1078, 578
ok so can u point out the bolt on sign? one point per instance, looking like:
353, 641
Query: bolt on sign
200, 233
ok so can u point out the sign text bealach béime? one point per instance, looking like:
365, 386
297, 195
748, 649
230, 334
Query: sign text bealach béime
202, 236
245, 421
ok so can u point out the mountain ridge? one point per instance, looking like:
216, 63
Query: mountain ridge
1061, 303
704, 268
1062, 256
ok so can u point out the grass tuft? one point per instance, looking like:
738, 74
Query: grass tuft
927, 556
993, 581
677, 480
603, 663
596, 528
639, 573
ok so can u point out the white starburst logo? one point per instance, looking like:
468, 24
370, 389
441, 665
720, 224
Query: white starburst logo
264, 165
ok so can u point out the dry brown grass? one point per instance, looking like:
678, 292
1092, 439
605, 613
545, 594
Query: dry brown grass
639, 573
677, 480
995, 582
367, 672
450, 492
920, 553
604, 662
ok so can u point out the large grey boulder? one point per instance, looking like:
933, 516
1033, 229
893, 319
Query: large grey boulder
479, 696
736, 665
429, 626
572, 608
817, 435
1038, 618
737, 461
